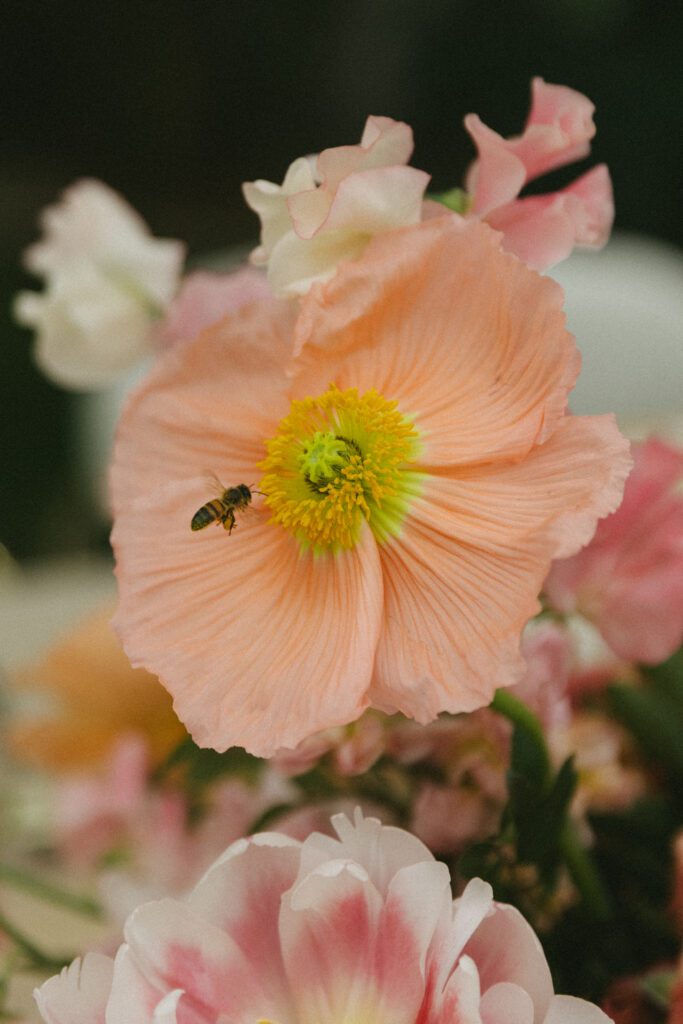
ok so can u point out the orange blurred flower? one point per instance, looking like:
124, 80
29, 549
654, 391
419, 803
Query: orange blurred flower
95, 697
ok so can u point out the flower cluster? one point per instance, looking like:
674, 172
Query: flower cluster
358, 531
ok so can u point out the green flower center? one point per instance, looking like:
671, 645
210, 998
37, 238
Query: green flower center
338, 460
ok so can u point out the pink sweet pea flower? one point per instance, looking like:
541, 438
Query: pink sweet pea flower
629, 580
542, 229
359, 928
330, 206
418, 472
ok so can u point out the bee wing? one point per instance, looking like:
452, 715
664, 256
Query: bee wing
213, 483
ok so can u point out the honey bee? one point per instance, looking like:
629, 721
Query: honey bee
222, 508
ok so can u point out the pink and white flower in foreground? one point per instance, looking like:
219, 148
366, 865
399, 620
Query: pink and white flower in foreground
541, 229
361, 928
106, 281
329, 206
417, 473
629, 580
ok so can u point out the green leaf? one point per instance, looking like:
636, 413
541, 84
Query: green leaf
667, 681
647, 715
456, 199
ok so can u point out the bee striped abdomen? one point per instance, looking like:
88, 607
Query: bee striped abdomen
212, 512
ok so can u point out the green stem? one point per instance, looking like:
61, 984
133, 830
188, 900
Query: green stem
583, 872
20, 879
577, 859
36, 957
517, 712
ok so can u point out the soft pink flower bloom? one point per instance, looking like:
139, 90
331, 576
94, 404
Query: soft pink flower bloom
449, 818
542, 229
629, 580
205, 298
119, 812
329, 207
606, 780
354, 749
547, 649
435, 369
362, 928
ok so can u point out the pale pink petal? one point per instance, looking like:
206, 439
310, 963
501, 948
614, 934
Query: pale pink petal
245, 666
459, 1001
241, 895
205, 298
505, 948
558, 130
454, 932
308, 211
543, 230
296, 263
594, 190
368, 202
269, 202
506, 1003
629, 580
79, 994
569, 1010
382, 850
497, 176
384, 143
486, 380
643, 621
377, 953
328, 927
176, 948
133, 997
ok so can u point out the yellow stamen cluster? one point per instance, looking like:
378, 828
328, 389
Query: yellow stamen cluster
337, 460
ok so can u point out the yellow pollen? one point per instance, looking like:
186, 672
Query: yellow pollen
338, 460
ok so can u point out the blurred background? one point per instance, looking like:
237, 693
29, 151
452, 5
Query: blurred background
175, 103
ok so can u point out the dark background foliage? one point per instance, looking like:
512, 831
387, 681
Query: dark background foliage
176, 102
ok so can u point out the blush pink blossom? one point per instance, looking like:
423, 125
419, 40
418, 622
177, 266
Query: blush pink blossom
362, 928
205, 298
629, 580
541, 229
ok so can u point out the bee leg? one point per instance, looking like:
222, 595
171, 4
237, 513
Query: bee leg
229, 522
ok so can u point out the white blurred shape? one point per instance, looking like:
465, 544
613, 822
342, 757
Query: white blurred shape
625, 306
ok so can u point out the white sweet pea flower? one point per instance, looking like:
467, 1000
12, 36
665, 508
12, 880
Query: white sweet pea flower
106, 281
329, 207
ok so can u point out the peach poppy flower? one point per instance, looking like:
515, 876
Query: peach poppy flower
418, 474
95, 698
